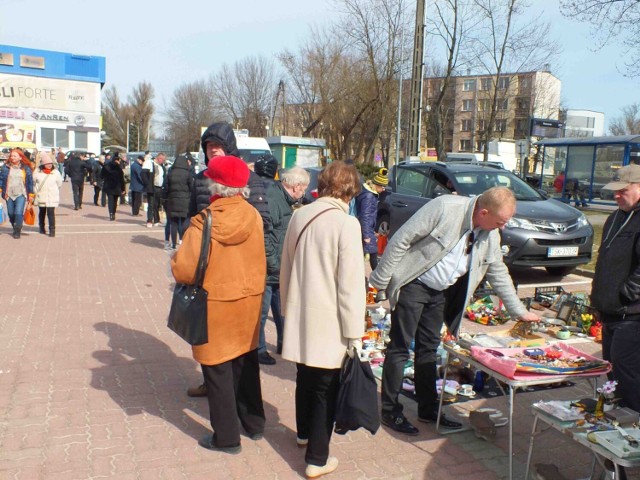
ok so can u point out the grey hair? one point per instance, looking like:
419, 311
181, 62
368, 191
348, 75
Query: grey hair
224, 191
295, 176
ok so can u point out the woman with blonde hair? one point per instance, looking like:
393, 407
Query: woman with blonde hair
16, 187
47, 182
322, 292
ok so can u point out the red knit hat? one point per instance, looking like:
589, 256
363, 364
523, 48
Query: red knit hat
229, 171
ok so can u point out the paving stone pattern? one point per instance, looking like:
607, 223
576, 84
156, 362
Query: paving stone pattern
92, 383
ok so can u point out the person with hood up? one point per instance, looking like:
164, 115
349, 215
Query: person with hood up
47, 182
113, 186
219, 140
367, 208
16, 187
179, 184
234, 280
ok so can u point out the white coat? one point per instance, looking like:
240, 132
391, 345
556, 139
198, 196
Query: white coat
47, 188
322, 284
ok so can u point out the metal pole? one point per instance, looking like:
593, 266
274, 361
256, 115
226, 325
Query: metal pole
399, 121
417, 74
127, 135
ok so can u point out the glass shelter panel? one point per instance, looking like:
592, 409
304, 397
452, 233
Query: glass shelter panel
579, 164
609, 158
555, 162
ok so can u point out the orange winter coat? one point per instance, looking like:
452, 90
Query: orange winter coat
235, 277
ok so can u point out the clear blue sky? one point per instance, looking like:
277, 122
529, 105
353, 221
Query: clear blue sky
172, 43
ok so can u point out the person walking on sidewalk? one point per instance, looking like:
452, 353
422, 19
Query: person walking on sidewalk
113, 177
179, 185
98, 182
137, 185
16, 187
234, 280
77, 168
47, 182
153, 172
60, 162
429, 271
322, 290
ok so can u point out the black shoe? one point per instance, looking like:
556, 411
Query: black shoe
199, 391
207, 442
265, 359
95, 203
444, 421
43, 231
52, 231
256, 436
399, 423
279, 350
76, 208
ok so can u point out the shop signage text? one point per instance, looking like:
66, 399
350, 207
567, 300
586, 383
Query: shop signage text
50, 118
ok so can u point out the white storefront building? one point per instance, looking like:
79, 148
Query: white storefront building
50, 99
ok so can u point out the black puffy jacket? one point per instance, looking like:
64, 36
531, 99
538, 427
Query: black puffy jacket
178, 186
77, 169
113, 177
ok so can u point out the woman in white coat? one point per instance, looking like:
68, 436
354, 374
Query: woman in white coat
321, 288
46, 185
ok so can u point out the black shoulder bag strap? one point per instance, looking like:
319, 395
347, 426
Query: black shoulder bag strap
305, 227
204, 248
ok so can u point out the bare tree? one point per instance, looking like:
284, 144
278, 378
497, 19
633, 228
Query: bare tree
192, 107
611, 20
244, 93
114, 117
140, 113
628, 123
506, 42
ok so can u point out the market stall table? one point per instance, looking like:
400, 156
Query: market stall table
578, 435
526, 380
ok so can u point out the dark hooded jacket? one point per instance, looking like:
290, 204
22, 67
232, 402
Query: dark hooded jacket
113, 177
178, 186
222, 133
77, 169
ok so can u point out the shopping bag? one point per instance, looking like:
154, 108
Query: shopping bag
3, 214
30, 216
357, 403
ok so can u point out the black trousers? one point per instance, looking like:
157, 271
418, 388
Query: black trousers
96, 194
234, 392
177, 226
155, 201
620, 341
136, 202
113, 203
419, 315
78, 190
50, 213
316, 394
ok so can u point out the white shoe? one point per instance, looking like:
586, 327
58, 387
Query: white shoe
158, 224
302, 442
167, 245
314, 471
149, 225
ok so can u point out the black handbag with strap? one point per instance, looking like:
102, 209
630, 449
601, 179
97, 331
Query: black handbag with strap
188, 314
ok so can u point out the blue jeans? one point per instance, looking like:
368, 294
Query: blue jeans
15, 210
271, 299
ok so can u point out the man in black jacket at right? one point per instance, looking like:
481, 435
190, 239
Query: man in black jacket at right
77, 168
219, 140
615, 292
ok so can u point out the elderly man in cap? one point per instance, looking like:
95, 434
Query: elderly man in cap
235, 281
615, 292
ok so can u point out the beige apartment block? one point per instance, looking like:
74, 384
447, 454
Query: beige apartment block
520, 97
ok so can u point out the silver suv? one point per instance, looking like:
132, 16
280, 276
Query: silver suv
543, 233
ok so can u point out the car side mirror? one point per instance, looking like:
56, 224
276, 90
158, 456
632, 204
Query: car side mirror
543, 193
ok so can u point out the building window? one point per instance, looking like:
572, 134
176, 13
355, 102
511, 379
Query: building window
82, 140
465, 145
466, 125
469, 85
482, 125
484, 105
54, 137
522, 127
501, 125
522, 105
485, 83
479, 146
524, 83
503, 104
503, 83
467, 105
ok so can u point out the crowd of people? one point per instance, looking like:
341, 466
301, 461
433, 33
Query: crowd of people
306, 264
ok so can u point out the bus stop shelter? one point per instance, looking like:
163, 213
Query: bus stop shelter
585, 164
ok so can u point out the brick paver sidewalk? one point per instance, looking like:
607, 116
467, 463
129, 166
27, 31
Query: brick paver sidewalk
92, 383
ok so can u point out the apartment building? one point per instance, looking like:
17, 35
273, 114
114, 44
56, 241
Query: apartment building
521, 96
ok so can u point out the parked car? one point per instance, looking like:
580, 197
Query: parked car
311, 193
544, 232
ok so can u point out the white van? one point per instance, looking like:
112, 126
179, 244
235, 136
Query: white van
251, 148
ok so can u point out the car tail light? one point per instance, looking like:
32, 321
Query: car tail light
314, 193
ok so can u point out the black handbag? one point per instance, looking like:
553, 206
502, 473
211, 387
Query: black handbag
188, 314
357, 402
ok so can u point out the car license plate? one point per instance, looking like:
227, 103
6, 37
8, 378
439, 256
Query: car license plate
562, 252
